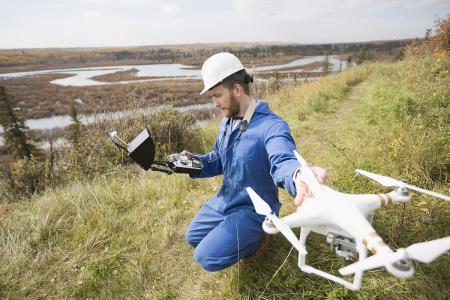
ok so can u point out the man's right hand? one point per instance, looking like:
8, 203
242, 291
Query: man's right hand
303, 190
186, 153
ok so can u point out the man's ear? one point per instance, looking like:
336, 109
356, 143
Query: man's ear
237, 90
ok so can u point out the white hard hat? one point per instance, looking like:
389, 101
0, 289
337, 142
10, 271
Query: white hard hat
218, 67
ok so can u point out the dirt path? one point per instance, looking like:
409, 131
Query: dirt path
347, 109
329, 135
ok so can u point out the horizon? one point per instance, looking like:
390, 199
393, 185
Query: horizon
239, 44
26, 24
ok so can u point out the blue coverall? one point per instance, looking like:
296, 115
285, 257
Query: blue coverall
227, 227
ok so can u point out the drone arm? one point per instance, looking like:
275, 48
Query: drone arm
367, 203
309, 214
354, 223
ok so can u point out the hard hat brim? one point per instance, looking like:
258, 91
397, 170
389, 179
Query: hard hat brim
204, 90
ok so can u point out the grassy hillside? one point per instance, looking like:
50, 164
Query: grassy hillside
121, 235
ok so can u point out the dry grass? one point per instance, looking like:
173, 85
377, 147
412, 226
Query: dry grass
122, 234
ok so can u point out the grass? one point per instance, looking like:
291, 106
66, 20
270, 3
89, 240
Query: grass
114, 236
121, 235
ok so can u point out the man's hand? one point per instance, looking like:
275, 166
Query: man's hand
303, 190
186, 153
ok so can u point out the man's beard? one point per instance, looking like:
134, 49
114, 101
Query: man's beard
234, 107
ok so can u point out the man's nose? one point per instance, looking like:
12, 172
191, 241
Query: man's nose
216, 103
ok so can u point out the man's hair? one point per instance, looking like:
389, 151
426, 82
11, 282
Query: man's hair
240, 77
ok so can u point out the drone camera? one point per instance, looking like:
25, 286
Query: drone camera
344, 247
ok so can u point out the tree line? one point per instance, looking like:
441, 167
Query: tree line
192, 55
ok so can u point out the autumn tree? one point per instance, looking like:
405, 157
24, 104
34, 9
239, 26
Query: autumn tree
76, 128
14, 129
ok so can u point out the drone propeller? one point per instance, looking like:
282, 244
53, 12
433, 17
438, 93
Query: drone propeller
391, 182
309, 177
424, 252
263, 208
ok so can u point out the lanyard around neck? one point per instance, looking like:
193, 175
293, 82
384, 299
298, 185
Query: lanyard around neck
244, 125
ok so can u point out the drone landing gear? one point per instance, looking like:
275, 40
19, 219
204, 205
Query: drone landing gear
357, 279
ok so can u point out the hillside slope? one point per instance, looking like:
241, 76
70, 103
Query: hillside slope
122, 234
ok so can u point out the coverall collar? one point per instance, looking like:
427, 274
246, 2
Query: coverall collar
261, 108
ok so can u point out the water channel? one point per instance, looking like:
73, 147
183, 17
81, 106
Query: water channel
83, 77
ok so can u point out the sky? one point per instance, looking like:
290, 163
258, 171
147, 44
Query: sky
115, 23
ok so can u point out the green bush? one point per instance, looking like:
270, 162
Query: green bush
24, 178
89, 152
173, 132
94, 153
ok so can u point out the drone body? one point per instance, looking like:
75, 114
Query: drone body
346, 221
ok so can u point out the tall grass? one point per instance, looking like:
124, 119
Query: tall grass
117, 236
121, 234
395, 122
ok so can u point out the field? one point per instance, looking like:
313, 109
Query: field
121, 233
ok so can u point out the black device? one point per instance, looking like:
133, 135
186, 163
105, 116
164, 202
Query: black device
184, 164
142, 150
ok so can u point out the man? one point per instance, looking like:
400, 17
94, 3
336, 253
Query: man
254, 148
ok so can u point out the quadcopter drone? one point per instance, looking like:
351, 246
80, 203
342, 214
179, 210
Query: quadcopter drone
345, 219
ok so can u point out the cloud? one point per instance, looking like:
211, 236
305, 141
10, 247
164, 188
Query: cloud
167, 8
163, 7
114, 2
126, 22
303, 10
92, 14
299, 10
258, 8
419, 4
60, 4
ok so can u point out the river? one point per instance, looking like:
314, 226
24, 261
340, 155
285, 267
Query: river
83, 77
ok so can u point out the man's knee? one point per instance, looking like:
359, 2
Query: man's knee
190, 238
208, 262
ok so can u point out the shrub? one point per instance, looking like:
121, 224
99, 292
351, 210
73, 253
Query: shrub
25, 177
94, 153
88, 151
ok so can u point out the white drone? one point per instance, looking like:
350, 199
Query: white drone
345, 219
